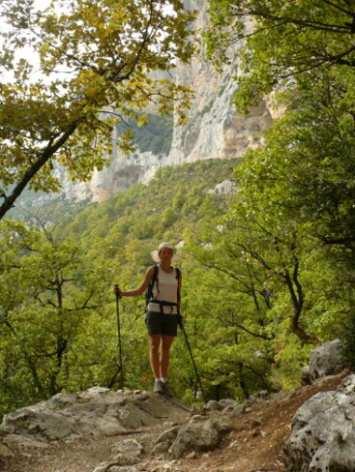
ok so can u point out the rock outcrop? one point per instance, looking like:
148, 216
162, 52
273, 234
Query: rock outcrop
143, 428
323, 433
227, 187
93, 413
214, 130
327, 359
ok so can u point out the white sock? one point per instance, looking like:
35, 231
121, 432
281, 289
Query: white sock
163, 379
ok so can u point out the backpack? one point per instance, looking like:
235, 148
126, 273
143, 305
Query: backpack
149, 297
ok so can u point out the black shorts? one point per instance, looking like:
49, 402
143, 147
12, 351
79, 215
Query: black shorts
161, 324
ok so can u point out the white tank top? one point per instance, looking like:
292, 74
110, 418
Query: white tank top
168, 284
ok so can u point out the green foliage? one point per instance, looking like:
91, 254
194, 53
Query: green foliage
57, 307
49, 291
294, 215
259, 291
348, 328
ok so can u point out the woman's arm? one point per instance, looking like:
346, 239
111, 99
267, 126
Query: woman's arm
142, 288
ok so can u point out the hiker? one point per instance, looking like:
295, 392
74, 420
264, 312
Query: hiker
162, 284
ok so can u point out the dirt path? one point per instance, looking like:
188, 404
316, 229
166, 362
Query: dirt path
256, 443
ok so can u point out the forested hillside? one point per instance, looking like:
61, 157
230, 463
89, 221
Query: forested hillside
258, 290
57, 305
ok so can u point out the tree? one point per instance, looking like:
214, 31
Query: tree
286, 41
304, 53
51, 295
98, 67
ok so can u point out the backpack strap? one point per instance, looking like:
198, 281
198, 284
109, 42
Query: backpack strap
153, 280
178, 278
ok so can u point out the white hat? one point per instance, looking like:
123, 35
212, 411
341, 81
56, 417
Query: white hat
155, 253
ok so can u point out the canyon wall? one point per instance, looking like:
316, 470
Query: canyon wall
214, 129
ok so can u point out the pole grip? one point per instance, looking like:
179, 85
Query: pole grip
117, 292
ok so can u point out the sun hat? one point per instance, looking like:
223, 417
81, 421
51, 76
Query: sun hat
155, 253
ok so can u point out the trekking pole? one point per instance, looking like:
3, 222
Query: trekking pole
188, 345
119, 344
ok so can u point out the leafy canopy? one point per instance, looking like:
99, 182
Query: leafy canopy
293, 216
283, 40
302, 54
100, 63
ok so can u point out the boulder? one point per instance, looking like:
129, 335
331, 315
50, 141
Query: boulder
126, 453
234, 411
200, 434
326, 359
168, 435
323, 433
262, 394
39, 424
165, 439
23, 442
224, 404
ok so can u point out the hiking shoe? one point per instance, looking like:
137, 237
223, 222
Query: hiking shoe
158, 386
166, 389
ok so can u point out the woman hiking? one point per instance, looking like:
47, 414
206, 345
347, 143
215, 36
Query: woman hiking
162, 283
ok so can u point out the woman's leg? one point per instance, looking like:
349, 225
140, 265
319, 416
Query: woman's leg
165, 355
154, 354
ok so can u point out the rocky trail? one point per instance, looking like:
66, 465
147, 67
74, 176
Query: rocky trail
100, 430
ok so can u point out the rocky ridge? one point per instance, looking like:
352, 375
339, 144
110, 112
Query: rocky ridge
311, 429
140, 428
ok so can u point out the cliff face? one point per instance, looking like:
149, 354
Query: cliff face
214, 130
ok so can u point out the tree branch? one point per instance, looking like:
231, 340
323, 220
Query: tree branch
345, 241
35, 167
252, 333
146, 38
338, 7
303, 23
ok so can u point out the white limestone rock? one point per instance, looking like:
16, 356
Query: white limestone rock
94, 412
323, 433
327, 359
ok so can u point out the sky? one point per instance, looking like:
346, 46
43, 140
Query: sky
26, 52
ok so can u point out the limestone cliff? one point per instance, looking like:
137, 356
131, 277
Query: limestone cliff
214, 130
